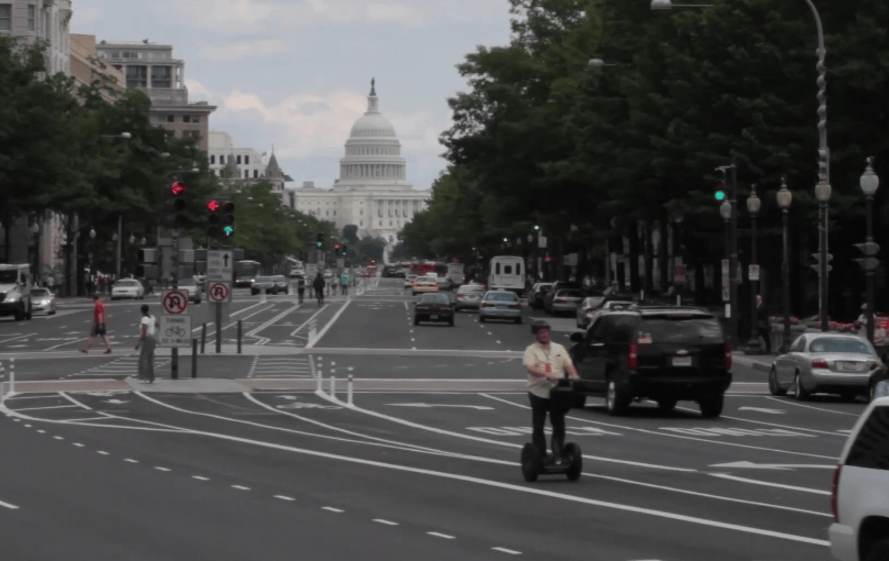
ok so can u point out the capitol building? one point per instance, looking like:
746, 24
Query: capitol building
372, 191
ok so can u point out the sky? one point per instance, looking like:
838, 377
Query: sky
295, 74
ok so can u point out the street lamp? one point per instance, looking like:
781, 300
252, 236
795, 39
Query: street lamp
753, 206
785, 197
870, 182
822, 193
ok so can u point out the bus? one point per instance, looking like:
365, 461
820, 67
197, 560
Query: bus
422, 268
246, 271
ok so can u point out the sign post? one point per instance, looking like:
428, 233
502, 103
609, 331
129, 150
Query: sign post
175, 325
219, 276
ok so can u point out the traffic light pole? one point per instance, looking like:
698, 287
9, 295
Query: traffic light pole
733, 257
869, 275
174, 360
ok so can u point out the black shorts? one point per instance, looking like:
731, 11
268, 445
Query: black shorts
98, 330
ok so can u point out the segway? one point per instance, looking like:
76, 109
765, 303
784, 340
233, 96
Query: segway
535, 463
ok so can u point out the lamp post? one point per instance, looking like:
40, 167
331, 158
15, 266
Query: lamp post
92, 251
870, 182
35, 230
753, 206
725, 210
785, 197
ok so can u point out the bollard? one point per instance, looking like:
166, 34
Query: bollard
320, 381
2, 383
240, 331
349, 390
333, 387
11, 376
194, 358
203, 337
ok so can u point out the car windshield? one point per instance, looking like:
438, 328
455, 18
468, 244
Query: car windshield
8, 277
680, 330
502, 296
839, 345
263, 279
434, 299
129, 283
617, 304
570, 294
595, 301
40, 292
466, 288
543, 287
186, 282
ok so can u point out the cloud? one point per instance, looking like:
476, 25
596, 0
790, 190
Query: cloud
239, 50
196, 89
85, 15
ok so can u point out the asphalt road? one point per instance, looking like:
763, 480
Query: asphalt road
158, 474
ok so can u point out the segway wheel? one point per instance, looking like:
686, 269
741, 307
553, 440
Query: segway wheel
531, 465
575, 457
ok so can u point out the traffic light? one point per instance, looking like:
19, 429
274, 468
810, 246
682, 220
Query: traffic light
344, 249
336, 249
320, 238
176, 204
214, 218
720, 183
228, 218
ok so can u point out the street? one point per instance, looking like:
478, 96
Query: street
250, 460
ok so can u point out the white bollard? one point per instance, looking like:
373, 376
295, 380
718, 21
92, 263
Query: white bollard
351, 404
678, 299
2, 383
333, 387
11, 376
320, 381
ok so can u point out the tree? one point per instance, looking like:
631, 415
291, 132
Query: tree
350, 233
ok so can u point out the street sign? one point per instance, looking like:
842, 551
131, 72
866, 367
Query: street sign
679, 274
174, 331
219, 292
346, 279
219, 265
175, 302
753, 272
541, 241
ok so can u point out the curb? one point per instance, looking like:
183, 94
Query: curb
754, 363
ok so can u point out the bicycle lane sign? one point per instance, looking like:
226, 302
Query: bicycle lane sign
174, 331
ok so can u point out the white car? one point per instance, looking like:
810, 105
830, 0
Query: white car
409, 280
127, 288
860, 490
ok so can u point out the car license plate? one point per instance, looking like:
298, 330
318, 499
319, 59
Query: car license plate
850, 366
433, 316
682, 361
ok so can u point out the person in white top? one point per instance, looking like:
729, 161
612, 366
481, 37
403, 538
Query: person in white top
148, 341
547, 362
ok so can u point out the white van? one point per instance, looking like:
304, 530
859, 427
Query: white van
455, 274
507, 273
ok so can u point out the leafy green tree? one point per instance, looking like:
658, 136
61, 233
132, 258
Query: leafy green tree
266, 230
350, 233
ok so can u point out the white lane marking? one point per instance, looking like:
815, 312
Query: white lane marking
509, 551
48, 407
102, 452
59, 437
506, 486
775, 425
406, 306
327, 327
284, 498
131, 460
386, 522
19, 337
66, 342
666, 434
293, 333
200, 478
788, 402
440, 535
498, 342
159, 468
769, 484
10, 506
331, 509
74, 401
41, 431
79, 445
240, 487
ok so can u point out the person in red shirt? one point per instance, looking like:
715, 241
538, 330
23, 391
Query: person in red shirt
98, 326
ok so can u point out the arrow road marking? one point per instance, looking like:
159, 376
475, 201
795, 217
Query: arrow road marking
479, 407
752, 465
762, 410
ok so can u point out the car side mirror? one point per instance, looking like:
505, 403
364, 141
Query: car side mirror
576, 337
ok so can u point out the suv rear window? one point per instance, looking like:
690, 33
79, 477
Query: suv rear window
681, 330
839, 345
871, 447
505, 296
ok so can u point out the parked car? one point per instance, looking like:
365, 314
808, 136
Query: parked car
666, 354
538, 293
469, 296
281, 284
500, 304
838, 363
434, 307
566, 300
127, 288
424, 284
592, 306
42, 300
859, 499
191, 288
263, 284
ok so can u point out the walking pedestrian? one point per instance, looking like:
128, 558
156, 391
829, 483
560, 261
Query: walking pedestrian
301, 287
148, 341
98, 326
763, 324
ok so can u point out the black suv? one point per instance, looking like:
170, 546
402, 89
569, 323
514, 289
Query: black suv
661, 353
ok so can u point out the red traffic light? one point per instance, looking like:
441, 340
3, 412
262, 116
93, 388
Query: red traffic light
229, 206
336, 246
178, 188
213, 206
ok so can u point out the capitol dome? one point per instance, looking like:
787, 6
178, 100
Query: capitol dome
372, 123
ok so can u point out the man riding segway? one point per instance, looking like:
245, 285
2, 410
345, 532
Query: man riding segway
549, 391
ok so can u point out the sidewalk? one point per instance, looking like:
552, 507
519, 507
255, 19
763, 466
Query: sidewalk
762, 363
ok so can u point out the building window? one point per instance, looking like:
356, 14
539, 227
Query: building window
361, 212
32, 17
212, 159
221, 159
6, 17
239, 160
246, 158
246, 174
172, 119
161, 76
361, 223
137, 76
255, 173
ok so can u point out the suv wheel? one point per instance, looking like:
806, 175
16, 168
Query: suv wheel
617, 401
879, 551
711, 405
774, 387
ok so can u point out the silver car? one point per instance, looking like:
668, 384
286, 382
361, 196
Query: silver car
592, 306
566, 300
834, 363
469, 296
500, 304
409, 280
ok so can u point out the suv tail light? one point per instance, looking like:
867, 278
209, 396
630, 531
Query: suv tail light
834, 493
819, 363
561, 301
487, 305
728, 354
633, 356
517, 306
874, 365
590, 310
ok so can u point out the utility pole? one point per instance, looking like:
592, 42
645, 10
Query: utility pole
733, 257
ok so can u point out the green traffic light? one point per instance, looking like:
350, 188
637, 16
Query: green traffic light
720, 195
229, 230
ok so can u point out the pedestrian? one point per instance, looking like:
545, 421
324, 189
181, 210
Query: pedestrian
98, 326
148, 341
763, 323
318, 285
301, 287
